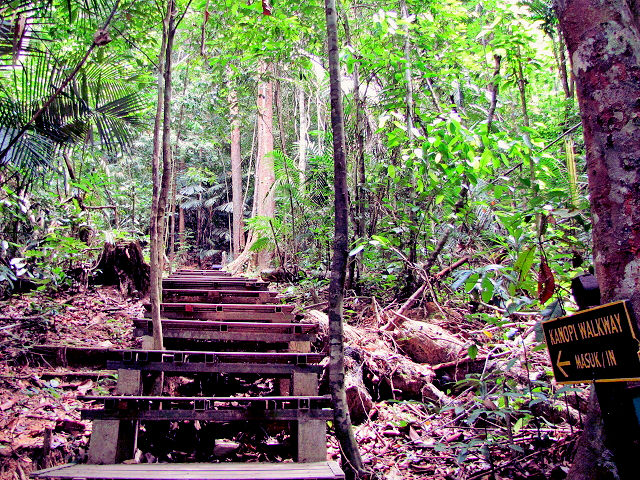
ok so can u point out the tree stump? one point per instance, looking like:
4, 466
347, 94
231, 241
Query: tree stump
123, 265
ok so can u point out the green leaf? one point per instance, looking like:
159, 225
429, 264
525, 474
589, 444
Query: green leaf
471, 282
487, 289
391, 171
380, 240
553, 310
356, 250
522, 267
472, 351
260, 244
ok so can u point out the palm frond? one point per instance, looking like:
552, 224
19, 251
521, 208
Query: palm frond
225, 207
70, 117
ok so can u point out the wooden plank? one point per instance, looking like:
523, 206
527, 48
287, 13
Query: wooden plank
276, 370
199, 356
196, 334
292, 402
199, 466
226, 312
230, 331
99, 357
211, 273
225, 307
217, 278
218, 416
220, 274
233, 326
214, 284
213, 409
197, 471
212, 296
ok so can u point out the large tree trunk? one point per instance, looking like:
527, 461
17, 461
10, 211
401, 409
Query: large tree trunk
603, 40
236, 171
352, 463
265, 174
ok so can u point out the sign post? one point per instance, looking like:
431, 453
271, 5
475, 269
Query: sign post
599, 344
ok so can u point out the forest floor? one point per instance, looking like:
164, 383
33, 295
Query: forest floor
505, 421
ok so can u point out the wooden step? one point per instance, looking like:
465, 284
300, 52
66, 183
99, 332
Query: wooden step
214, 284
226, 312
216, 269
185, 295
229, 331
213, 269
197, 471
217, 277
178, 361
193, 273
202, 273
210, 409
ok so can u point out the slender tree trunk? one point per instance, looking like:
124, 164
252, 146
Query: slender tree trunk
522, 88
603, 40
236, 170
177, 166
319, 119
360, 193
181, 225
408, 78
562, 66
156, 266
432, 93
165, 182
302, 137
493, 89
352, 463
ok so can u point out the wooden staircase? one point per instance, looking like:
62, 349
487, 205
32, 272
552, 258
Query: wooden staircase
213, 324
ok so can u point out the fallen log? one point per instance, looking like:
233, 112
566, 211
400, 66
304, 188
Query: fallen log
68, 356
359, 399
427, 343
351, 335
394, 376
385, 374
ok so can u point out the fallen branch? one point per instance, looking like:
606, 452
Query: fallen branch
504, 310
412, 299
450, 268
434, 256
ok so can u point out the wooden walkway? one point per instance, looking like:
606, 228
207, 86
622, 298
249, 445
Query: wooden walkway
197, 471
213, 323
